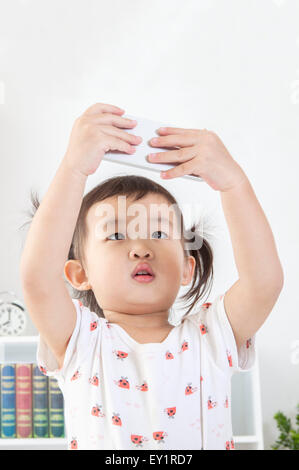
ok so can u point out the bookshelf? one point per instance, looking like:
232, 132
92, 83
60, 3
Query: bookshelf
246, 401
20, 349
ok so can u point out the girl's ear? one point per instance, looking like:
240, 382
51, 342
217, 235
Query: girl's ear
189, 269
76, 275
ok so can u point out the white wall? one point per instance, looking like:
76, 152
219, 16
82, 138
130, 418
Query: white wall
230, 66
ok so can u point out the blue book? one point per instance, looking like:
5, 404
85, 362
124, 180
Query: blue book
56, 409
8, 400
40, 415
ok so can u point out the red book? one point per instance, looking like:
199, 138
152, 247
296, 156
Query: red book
24, 400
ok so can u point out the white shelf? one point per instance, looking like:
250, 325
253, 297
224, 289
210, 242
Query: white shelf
33, 444
18, 339
37, 441
25, 344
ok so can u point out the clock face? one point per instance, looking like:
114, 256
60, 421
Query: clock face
12, 320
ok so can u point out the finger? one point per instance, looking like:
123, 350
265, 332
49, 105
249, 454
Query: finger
183, 140
114, 143
179, 170
175, 130
112, 119
130, 138
181, 155
103, 108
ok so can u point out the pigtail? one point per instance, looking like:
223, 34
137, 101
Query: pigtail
35, 203
203, 273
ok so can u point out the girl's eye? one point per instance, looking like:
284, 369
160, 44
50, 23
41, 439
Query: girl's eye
116, 233
160, 231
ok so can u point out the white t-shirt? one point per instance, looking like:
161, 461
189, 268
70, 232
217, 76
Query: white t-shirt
122, 395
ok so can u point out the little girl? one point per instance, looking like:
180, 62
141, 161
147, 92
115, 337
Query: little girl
130, 379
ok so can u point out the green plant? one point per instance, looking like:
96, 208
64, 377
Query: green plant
289, 437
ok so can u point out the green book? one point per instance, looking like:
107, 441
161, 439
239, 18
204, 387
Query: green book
40, 412
56, 409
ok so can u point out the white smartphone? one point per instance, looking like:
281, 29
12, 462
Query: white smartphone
146, 129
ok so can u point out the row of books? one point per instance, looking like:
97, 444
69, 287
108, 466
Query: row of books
31, 403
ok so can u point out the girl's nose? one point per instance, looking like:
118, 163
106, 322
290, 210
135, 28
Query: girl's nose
141, 253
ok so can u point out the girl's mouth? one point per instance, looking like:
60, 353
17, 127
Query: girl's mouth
143, 278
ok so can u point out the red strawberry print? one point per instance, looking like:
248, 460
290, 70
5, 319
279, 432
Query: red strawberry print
169, 355
206, 305
203, 328
201, 378
211, 404
226, 402
248, 343
189, 390
42, 369
184, 346
229, 358
159, 436
94, 380
120, 354
143, 387
76, 375
80, 303
170, 411
232, 444
123, 382
96, 411
74, 444
94, 325
108, 324
138, 440
116, 419
227, 445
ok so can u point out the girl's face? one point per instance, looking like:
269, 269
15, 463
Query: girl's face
114, 248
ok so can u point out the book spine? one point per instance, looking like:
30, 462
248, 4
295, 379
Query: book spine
8, 400
56, 409
24, 400
40, 413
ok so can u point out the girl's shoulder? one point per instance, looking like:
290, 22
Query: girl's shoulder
205, 309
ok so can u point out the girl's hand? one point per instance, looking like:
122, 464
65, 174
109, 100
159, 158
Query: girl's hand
201, 153
94, 133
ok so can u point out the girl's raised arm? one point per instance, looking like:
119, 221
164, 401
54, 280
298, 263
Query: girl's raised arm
50, 235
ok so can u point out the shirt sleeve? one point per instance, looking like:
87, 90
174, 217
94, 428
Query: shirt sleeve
219, 339
79, 346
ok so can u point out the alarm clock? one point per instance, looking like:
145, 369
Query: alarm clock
12, 315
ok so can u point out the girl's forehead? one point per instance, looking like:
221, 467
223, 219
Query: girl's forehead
152, 211
125, 208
